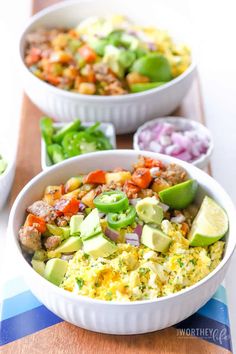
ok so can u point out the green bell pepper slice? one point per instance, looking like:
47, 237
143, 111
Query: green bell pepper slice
122, 219
112, 201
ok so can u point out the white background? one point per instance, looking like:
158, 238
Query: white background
214, 29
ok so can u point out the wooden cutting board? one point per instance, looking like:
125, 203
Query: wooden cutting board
64, 337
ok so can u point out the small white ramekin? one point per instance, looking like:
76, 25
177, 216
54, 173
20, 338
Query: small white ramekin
181, 123
107, 128
6, 178
112, 316
126, 112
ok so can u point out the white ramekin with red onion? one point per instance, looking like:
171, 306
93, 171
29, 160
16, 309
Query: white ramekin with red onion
178, 137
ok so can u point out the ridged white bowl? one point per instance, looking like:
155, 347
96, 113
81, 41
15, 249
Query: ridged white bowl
6, 178
114, 317
126, 112
181, 124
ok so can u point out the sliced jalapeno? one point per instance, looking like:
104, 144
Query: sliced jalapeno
122, 219
47, 130
112, 201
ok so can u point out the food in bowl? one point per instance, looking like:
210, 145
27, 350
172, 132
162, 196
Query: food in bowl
125, 235
105, 56
3, 165
73, 139
174, 136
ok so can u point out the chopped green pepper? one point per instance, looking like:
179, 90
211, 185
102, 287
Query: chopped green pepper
112, 201
46, 127
122, 219
55, 152
72, 127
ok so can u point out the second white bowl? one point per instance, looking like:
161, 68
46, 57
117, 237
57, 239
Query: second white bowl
126, 112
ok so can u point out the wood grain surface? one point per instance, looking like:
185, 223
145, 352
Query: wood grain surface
65, 338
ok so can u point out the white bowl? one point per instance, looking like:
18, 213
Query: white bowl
118, 317
126, 112
6, 178
181, 123
106, 128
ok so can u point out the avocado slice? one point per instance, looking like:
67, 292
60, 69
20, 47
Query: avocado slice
149, 210
75, 223
63, 232
99, 246
55, 270
90, 226
155, 239
72, 244
38, 266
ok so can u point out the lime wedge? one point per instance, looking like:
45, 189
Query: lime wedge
210, 224
180, 195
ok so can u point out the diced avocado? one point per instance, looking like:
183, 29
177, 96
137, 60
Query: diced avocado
40, 255
72, 244
39, 266
63, 232
55, 270
75, 223
99, 246
149, 210
155, 239
90, 226
111, 59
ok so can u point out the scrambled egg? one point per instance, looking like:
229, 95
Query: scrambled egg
138, 273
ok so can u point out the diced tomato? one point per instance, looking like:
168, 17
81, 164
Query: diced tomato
142, 177
97, 177
54, 80
130, 188
149, 163
68, 206
87, 53
39, 223
33, 57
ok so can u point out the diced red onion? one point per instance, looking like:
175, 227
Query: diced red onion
133, 242
155, 147
112, 234
185, 156
82, 207
67, 257
134, 201
178, 219
138, 230
164, 206
154, 171
187, 144
132, 239
173, 149
165, 140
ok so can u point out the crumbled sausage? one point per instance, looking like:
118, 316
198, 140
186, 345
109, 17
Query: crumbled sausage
30, 238
62, 220
52, 242
43, 210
